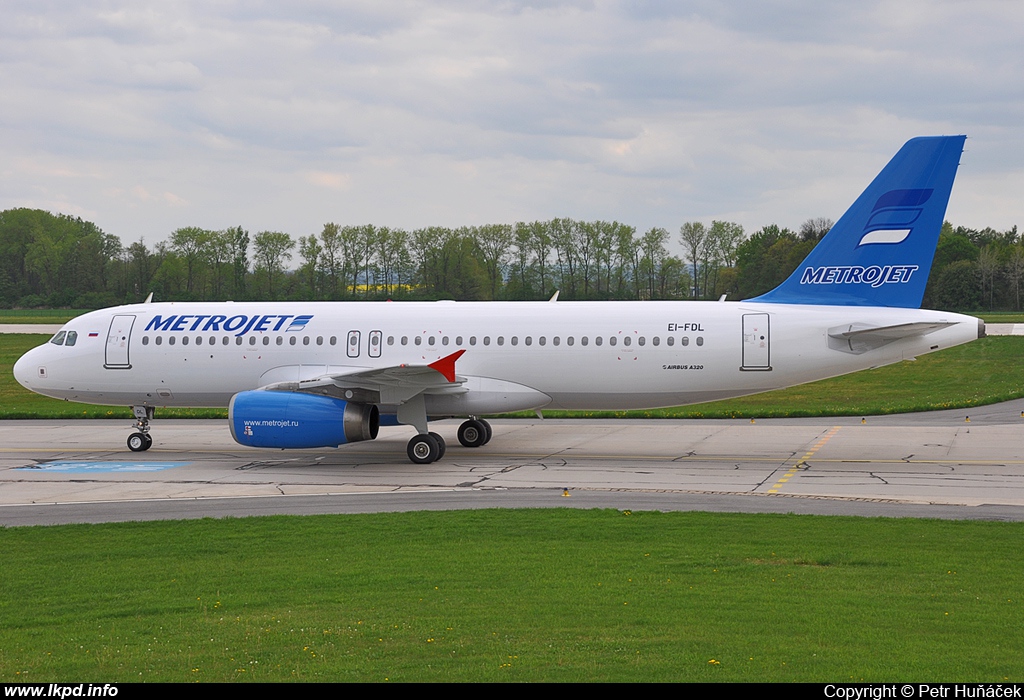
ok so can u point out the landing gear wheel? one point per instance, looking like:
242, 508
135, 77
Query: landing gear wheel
472, 433
139, 442
441, 446
423, 449
487, 427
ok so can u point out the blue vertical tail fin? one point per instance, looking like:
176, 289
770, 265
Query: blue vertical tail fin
880, 252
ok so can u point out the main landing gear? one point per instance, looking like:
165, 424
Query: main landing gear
141, 441
475, 433
430, 447
426, 448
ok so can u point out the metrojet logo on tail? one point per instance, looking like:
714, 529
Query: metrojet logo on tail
891, 222
894, 215
874, 275
229, 324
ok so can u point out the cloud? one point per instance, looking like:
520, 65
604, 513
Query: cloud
333, 181
413, 114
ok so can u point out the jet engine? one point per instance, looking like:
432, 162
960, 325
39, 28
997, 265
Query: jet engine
288, 419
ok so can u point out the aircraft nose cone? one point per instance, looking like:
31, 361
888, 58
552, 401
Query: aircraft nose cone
25, 370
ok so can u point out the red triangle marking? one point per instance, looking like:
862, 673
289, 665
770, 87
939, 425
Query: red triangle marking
446, 365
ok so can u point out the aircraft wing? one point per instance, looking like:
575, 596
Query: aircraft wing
383, 385
858, 338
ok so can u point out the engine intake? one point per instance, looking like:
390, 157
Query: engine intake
287, 419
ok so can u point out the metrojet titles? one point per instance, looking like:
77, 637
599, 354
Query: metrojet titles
875, 275
217, 323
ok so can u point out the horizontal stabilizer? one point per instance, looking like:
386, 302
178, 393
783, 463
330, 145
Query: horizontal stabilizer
857, 338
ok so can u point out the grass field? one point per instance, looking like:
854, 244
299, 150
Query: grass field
549, 595
1000, 316
982, 372
47, 316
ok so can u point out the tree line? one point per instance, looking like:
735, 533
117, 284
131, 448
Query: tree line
57, 260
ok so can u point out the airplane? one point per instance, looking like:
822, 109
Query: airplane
322, 374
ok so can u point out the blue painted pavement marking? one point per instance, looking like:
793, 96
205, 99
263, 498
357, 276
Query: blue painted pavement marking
95, 467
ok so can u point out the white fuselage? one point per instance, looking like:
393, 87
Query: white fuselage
573, 355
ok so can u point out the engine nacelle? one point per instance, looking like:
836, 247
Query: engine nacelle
287, 419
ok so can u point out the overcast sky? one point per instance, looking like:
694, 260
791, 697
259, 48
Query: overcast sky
148, 116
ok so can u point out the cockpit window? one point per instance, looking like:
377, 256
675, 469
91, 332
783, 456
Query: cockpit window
71, 339
59, 338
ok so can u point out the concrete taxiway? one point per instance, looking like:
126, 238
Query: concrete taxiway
949, 464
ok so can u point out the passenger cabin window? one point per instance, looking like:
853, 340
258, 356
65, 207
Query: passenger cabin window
145, 340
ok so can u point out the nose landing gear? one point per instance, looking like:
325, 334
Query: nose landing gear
141, 441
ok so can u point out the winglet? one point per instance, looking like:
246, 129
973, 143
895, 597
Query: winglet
446, 365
